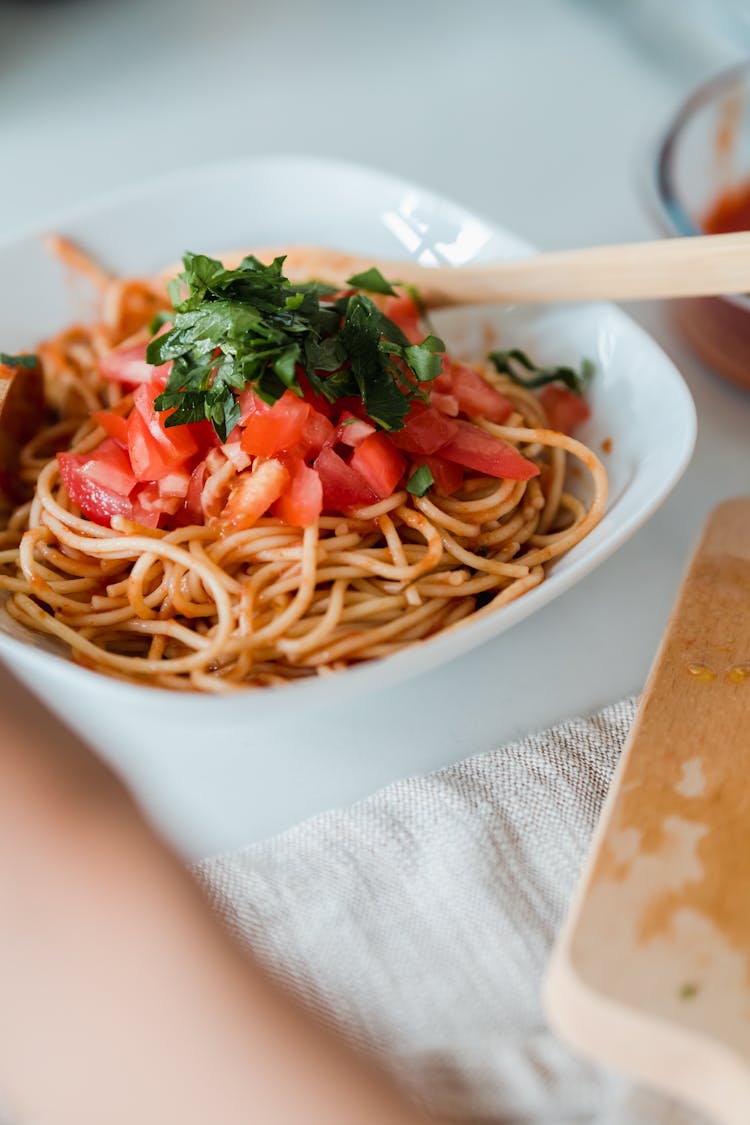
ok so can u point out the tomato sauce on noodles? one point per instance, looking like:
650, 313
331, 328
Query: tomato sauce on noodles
306, 539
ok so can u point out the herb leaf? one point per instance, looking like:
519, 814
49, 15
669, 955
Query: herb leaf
29, 361
372, 281
252, 326
508, 362
371, 367
420, 480
158, 320
424, 359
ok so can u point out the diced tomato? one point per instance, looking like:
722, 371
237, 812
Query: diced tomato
302, 501
476, 397
448, 476
316, 401
445, 403
103, 484
150, 462
268, 432
425, 430
343, 487
353, 405
318, 431
153, 503
204, 435
478, 450
129, 365
254, 493
250, 403
351, 430
109, 465
148, 517
444, 383
404, 312
564, 409
156, 451
380, 463
234, 452
176, 442
114, 425
193, 506
98, 502
176, 484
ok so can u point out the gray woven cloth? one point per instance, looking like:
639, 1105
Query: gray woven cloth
419, 922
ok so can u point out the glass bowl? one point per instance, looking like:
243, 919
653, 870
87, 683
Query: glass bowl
705, 153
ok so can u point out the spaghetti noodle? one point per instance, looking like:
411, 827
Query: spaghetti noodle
217, 605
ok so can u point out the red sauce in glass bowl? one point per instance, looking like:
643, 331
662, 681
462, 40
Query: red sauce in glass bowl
730, 212
718, 328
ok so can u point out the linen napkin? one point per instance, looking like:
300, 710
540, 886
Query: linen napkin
419, 923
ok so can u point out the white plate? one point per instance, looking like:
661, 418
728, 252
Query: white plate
638, 398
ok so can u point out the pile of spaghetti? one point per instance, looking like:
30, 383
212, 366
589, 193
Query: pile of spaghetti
271, 480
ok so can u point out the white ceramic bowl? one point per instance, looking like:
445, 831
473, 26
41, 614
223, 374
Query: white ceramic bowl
205, 763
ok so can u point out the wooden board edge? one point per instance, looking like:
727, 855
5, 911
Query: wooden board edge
673, 1059
695, 1070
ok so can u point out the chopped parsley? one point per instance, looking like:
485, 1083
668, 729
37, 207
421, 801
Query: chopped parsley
420, 480
515, 362
252, 327
28, 361
372, 281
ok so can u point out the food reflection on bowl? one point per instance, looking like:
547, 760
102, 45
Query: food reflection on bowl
702, 184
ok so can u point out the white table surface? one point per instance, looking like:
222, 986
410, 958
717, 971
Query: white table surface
536, 114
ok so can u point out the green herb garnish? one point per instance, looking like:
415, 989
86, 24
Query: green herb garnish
372, 281
28, 361
158, 320
508, 363
420, 480
252, 327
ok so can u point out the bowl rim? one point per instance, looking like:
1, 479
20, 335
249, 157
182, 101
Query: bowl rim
664, 198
